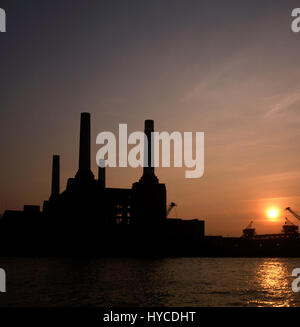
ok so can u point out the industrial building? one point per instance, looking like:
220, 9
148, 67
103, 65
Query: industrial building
90, 218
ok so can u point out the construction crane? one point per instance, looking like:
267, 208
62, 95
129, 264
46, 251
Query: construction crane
249, 231
289, 227
293, 212
171, 206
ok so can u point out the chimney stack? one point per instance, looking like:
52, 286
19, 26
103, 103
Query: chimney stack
84, 170
148, 173
55, 176
101, 173
85, 142
149, 128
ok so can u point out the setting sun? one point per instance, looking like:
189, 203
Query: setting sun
272, 213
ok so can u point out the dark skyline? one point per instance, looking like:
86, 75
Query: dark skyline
228, 69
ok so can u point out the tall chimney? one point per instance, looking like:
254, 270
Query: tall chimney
148, 173
85, 142
149, 128
101, 173
55, 176
84, 170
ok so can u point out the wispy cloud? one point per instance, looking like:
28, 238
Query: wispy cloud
290, 175
275, 199
284, 103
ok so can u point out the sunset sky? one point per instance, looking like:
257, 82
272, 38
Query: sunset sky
228, 68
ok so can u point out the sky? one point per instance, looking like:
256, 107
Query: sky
229, 69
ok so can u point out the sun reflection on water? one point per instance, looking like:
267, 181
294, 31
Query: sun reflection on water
273, 282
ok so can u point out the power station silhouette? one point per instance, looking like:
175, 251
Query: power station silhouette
88, 218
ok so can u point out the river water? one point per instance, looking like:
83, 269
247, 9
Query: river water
149, 282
